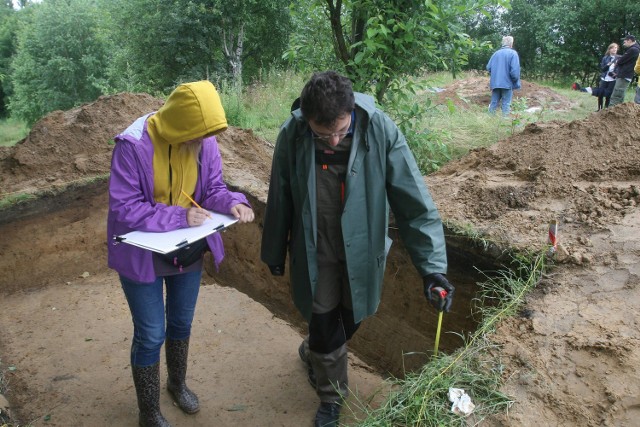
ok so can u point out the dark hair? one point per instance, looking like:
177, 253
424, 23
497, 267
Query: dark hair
326, 97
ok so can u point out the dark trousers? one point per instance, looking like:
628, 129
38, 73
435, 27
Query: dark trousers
329, 331
603, 92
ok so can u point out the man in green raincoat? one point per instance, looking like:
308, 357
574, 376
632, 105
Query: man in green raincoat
338, 165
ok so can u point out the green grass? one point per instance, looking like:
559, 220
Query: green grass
463, 129
421, 398
264, 105
14, 199
12, 131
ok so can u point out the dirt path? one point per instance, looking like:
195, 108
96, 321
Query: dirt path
70, 346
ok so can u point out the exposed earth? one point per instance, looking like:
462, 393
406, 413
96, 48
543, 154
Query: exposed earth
570, 360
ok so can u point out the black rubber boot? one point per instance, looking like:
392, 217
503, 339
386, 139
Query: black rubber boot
177, 352
303, 352
328, 414
147, 382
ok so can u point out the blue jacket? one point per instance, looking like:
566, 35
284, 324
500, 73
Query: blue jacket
504, 67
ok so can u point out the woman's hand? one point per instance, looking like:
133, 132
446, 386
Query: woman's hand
196, 216
242, 212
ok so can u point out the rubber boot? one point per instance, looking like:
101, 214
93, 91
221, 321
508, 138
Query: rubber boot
332, 385
147, 382
328, 415
177, 352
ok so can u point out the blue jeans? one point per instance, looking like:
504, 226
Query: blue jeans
147, 307
496, 95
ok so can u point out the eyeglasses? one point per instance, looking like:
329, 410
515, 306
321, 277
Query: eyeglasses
327, 137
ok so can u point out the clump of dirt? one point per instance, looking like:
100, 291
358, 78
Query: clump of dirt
476, 91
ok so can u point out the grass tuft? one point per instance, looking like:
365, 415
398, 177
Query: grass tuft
12, 131
421, 399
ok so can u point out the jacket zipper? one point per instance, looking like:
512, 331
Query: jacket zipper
170, 180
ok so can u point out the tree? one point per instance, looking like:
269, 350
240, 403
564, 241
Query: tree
563, 38
381, 41
60, 59
308, 49
8, 29
165, 42
243, 27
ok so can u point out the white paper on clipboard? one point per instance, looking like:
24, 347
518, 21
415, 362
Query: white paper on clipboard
169, 241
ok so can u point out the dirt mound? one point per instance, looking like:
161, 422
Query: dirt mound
475, 90
571, 359
67, 146
583, 174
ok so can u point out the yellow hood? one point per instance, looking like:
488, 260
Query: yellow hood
192, 110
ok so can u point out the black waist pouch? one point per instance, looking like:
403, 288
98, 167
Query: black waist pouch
186, 255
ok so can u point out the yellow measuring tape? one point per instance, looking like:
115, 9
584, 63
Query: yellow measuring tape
435, 350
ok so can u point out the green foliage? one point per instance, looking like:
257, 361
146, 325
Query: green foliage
14, 199
60, 61
308, 49
568, 38
265, 104
390, 40
163, 43
244, 24
517, 116
8, 30
421, 399
428, 146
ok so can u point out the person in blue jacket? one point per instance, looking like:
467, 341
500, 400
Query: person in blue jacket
504, 68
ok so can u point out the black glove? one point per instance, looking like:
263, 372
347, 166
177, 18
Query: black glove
435, 296
277, 270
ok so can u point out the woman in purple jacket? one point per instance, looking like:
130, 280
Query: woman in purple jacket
159, 163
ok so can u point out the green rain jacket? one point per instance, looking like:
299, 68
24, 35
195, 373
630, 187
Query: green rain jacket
382, 172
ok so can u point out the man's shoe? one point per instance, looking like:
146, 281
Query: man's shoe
328, 415
311, 376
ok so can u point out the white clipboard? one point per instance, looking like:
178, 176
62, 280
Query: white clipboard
169, 241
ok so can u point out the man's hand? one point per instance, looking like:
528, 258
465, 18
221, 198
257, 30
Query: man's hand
438, 299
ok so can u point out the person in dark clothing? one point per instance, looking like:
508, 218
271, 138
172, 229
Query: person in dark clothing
624, 69
339, 164
607, 76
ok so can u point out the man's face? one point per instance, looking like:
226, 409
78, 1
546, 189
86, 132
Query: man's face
332, 135
628, 42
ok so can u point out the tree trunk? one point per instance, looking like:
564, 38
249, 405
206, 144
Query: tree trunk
232, 54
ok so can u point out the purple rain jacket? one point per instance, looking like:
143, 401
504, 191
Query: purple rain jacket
132, 206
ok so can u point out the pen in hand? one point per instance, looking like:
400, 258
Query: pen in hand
196, 204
